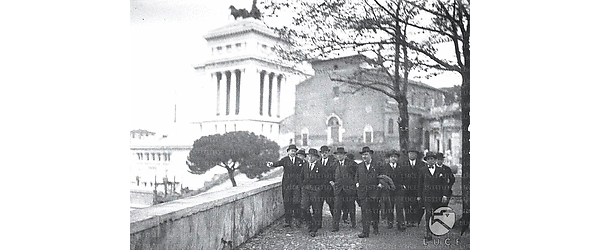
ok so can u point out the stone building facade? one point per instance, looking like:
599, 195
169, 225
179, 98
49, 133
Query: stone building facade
338, 114
443, 133
244, 87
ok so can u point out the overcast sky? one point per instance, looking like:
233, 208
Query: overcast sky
166, 41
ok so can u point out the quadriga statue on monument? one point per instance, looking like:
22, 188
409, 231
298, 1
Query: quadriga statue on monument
243, 13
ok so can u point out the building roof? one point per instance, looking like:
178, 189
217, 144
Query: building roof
357, 56
370, 73
241, 26
141, 131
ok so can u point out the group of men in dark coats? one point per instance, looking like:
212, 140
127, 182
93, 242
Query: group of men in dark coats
409, 188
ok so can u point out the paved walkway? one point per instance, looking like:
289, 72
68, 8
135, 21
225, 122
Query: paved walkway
278, 237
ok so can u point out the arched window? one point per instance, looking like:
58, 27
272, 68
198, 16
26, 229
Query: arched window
368, 134
334, 125
391, 126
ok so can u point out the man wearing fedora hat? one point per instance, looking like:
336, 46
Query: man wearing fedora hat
328, 163
433, 188
412, 208
394, 199
344, 188
290, 184
314, 179
369, 188
440, 164
301, 154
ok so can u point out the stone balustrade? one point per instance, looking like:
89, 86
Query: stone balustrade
207, 220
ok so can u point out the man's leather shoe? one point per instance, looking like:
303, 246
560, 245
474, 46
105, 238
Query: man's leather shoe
313, 234
390, 225
286, 224
335, 230
401, 228
363, 235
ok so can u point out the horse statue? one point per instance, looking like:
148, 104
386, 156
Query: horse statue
243, 13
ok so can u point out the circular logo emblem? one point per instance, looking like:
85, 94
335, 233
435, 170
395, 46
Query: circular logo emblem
442, 221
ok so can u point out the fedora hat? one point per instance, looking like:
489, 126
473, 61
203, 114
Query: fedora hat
340, 150
324, 148
430, 155
393, 152
292, 147
301, 152
439, 156
313, 151
366, 150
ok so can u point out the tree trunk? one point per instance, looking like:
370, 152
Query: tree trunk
230, 171
466, 161
400, 92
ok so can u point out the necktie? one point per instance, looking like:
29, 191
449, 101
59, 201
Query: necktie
312, 166
292, 160
323, 162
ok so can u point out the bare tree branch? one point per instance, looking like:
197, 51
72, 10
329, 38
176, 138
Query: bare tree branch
363, 85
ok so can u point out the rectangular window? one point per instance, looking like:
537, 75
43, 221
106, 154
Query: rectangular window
304, 139
147, 156
368, 137
158, 156
449, 144
153, 158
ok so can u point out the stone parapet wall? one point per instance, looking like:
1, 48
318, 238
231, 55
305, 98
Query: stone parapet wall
205, 220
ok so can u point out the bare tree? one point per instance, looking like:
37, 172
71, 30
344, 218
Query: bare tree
393, 35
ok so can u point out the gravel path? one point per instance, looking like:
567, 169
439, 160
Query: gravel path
278, 237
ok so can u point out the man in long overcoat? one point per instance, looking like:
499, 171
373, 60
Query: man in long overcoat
314, 179
433, 188
328, 163
290, 184
413, 209
439, 157
367, 174
344, 188
395, 200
